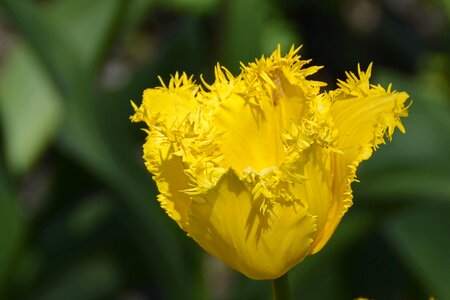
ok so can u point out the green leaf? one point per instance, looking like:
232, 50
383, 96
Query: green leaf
139, 10
11, 232
417, 184
414, 166
86, 25
324, 264
83, 138
243, 27
427, 137
278, 31
89, 214
48, 46
420, 237
191, 5
95, 278
70, 37
252, 28
30, 109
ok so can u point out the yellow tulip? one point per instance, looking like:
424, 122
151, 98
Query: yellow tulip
257, 168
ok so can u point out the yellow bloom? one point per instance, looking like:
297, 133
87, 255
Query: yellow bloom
257, 168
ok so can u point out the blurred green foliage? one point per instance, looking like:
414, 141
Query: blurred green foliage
78, 215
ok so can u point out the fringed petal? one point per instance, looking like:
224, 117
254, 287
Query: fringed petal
228, 224
268, 96
258, 168
363, 115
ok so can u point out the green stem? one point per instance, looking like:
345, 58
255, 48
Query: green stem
280, 288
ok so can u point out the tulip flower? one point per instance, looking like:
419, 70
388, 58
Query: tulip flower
257, 168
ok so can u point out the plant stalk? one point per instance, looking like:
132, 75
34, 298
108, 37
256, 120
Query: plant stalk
280, 288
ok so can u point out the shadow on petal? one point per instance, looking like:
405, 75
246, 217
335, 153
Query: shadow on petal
228, 225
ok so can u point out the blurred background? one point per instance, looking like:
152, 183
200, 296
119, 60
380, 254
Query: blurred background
78, 215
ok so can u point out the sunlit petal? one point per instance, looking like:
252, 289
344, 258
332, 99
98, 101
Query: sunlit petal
227, 224
257, 168
363, 115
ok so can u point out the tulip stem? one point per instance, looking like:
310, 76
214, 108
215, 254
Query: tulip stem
280, 288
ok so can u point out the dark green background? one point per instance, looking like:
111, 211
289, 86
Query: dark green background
78, 215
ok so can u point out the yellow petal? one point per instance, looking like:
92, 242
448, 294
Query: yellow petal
252, 133
258, 168
362, 122
363, 115
251, 136
315, 190
168, 104
228, 225
166, 109
171, 181
337, 202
